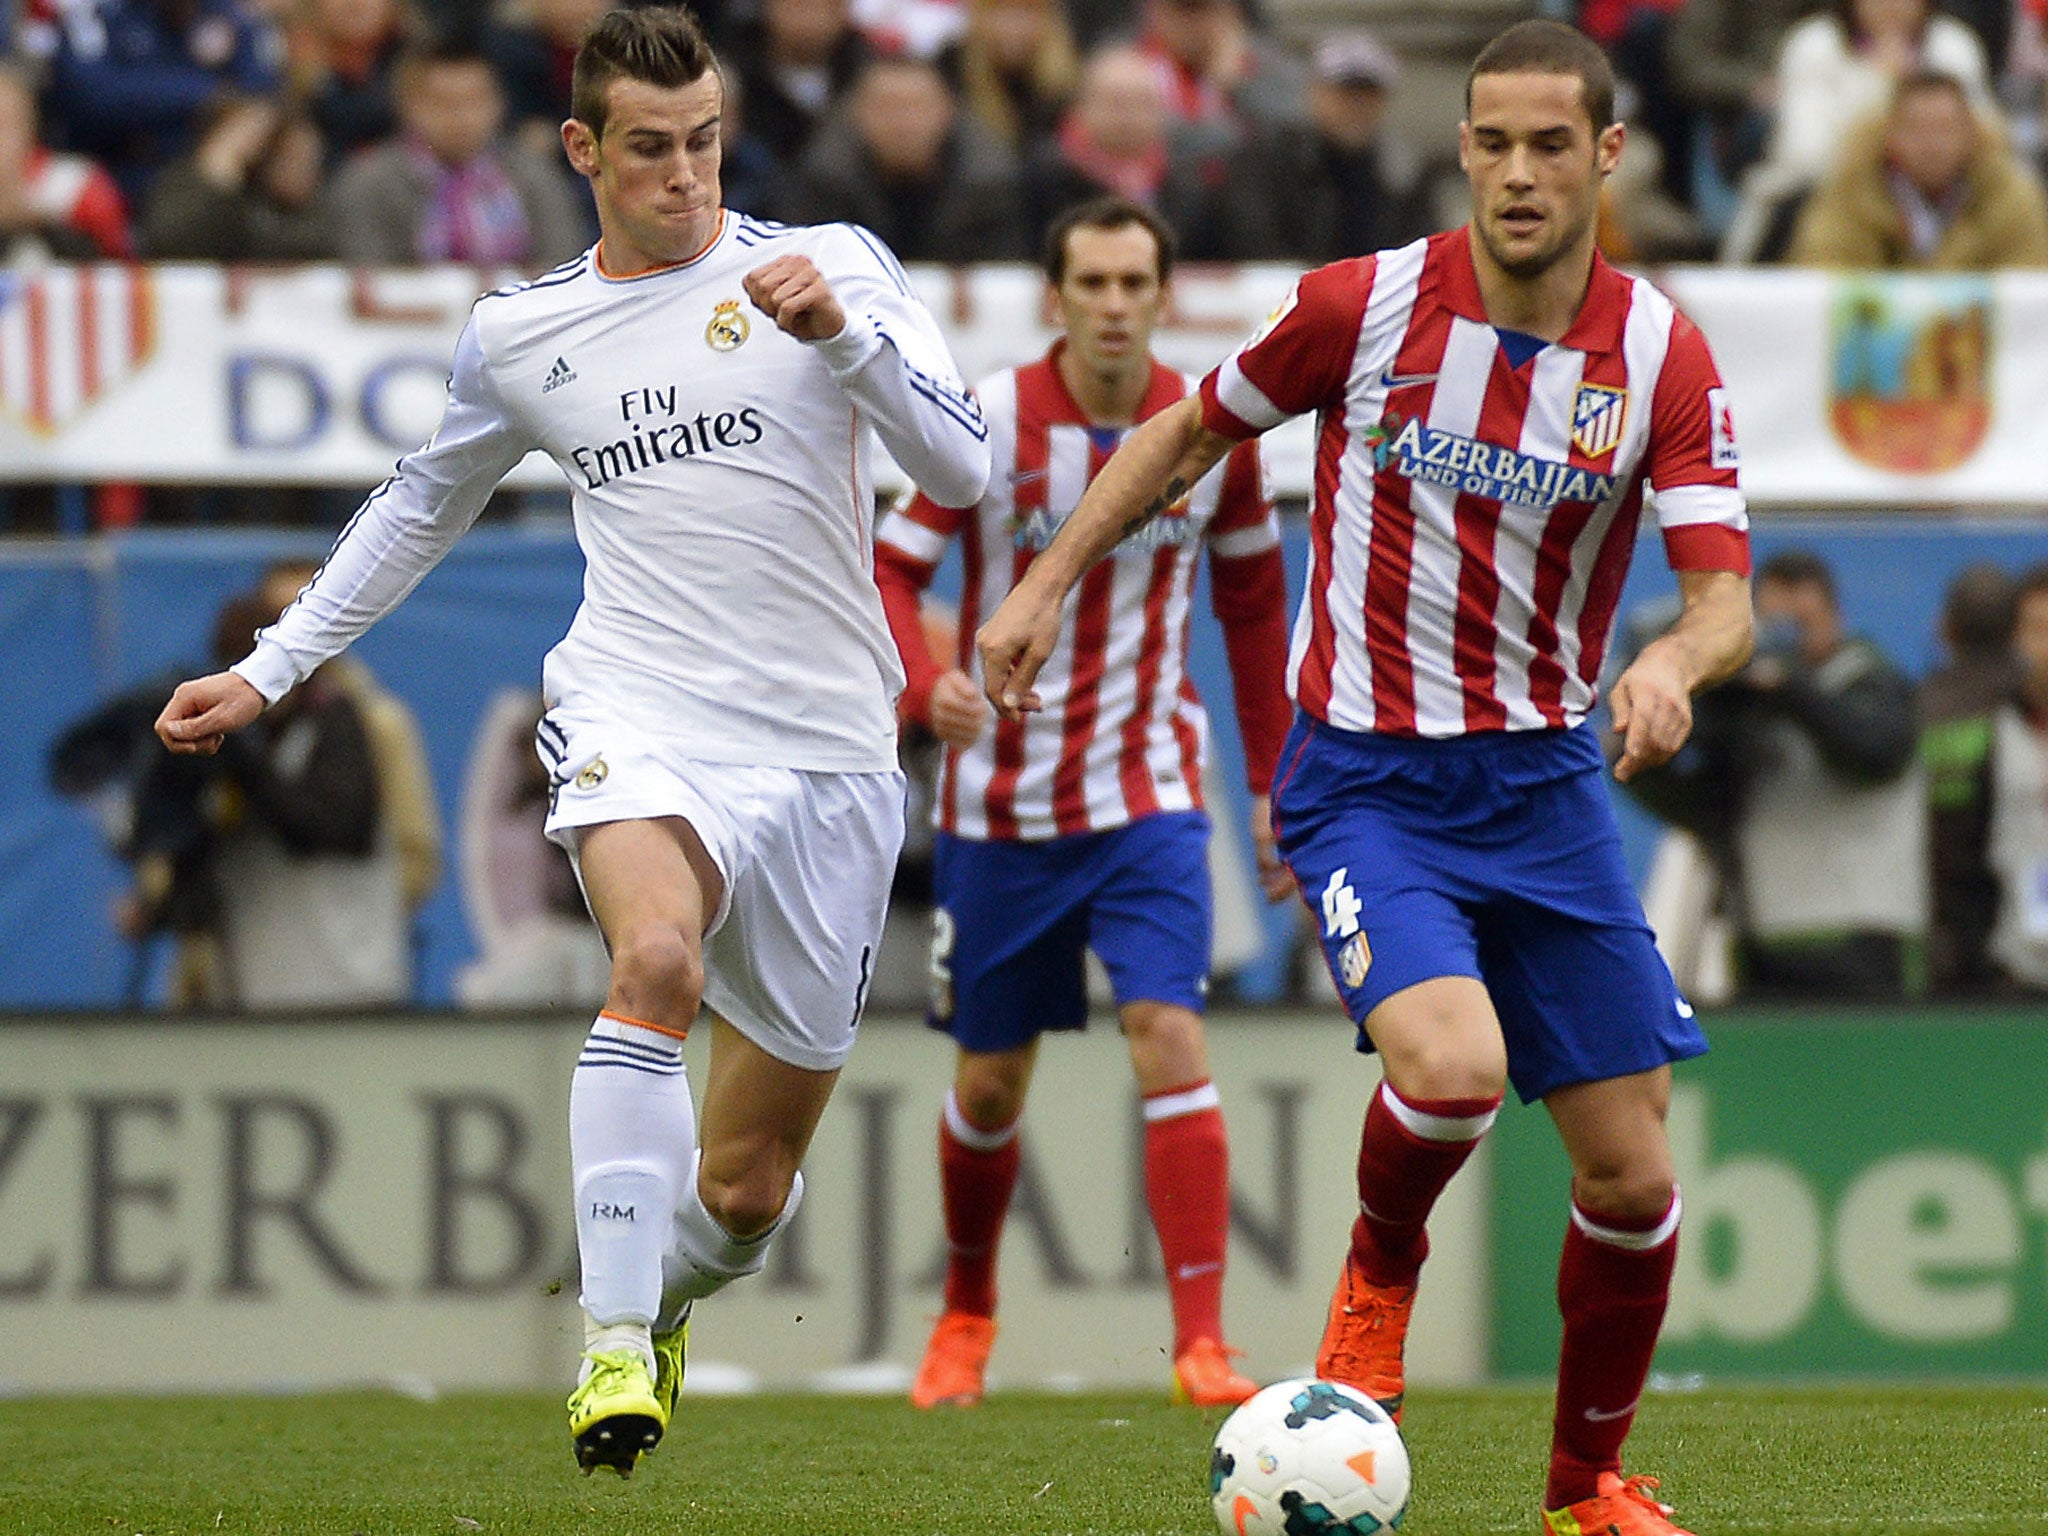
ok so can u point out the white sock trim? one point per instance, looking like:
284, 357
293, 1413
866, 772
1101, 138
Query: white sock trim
973, 1137
1187, 1101
1634, 1242
1430, 1127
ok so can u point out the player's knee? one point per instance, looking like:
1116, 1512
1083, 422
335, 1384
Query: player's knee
748, 1203
990, 1095
657, 974
1637, 1193
1443, 1071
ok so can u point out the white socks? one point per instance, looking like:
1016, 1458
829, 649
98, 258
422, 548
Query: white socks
632, 1152
704, 1258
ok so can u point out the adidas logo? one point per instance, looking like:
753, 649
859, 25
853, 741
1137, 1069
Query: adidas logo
558, 375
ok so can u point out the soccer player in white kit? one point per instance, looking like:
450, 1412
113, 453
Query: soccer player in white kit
720, 730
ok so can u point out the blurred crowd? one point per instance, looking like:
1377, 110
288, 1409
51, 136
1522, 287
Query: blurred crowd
1850, 132
1840, 832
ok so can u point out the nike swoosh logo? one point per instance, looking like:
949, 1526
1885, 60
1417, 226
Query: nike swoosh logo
1684, 1009
1028, 476
1189, 1271
1607, 1415
1391, 380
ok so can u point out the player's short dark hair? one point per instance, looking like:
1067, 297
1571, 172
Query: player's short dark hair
1105, 213
660, 44
1544, 47
1799, 568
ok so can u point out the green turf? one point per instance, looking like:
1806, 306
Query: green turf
1849, 1460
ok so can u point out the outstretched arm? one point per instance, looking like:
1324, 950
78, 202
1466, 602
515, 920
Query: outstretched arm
1151, 472
399, 534
1652, 701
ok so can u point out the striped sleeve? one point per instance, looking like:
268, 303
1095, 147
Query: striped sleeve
909, 545
1248, 590
1298, 360
1692, 460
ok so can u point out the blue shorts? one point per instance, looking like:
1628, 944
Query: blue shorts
1013, 919
1494, 856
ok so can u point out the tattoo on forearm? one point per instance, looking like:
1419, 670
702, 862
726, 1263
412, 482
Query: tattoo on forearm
1176, 488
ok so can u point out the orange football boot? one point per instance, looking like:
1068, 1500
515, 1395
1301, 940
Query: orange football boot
1204, 1376
1621, 1507
1363, 1340
954, 1361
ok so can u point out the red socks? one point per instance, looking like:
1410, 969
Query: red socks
1187, 1184
1612, 1286
1406, 1155
977, 1174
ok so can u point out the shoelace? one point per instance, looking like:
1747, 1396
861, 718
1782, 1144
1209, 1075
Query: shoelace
1638, 1488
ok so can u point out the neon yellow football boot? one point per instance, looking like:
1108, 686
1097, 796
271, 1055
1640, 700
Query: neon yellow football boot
616, 1412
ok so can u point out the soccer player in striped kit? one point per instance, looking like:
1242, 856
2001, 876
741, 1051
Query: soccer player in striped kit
1083, 826
1493, 403
719, 735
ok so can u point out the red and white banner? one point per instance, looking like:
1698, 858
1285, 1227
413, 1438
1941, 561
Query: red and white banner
1843, 390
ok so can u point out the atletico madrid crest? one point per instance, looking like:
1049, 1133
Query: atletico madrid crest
1598, 415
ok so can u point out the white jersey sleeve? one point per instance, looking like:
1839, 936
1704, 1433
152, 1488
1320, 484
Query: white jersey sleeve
892, 360
400, 532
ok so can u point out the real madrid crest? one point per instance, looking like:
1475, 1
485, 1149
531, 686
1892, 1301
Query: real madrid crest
593, 775
728, 328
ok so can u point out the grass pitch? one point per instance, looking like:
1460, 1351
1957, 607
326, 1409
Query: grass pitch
1827, 1460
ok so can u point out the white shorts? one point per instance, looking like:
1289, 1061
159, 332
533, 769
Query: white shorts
806, 857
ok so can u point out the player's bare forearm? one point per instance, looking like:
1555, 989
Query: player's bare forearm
1652, 700
1151, 472
1716, 629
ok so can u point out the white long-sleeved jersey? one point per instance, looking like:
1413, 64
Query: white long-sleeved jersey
721, 493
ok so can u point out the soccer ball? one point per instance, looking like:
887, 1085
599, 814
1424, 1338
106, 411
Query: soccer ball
1308, 1458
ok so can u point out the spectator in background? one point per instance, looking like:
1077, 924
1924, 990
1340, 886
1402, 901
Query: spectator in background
1720, 57
1018, 67
449, 188
253, 190
1634, 33
1222, 75
342, 56
1833, 830
1119, 139
1835, 70
131, 81
1341, 184
2018, 831
64, 205
1927, 186
311, 912
1958, 703
903, 160
1804, 786
405, 784
533, 53
922, 29
793, 61
750, 177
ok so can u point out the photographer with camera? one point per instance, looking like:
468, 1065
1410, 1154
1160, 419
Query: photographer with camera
1801, 781
268, 862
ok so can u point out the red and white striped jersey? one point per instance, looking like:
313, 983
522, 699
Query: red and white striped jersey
1121, 734
1472, 519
